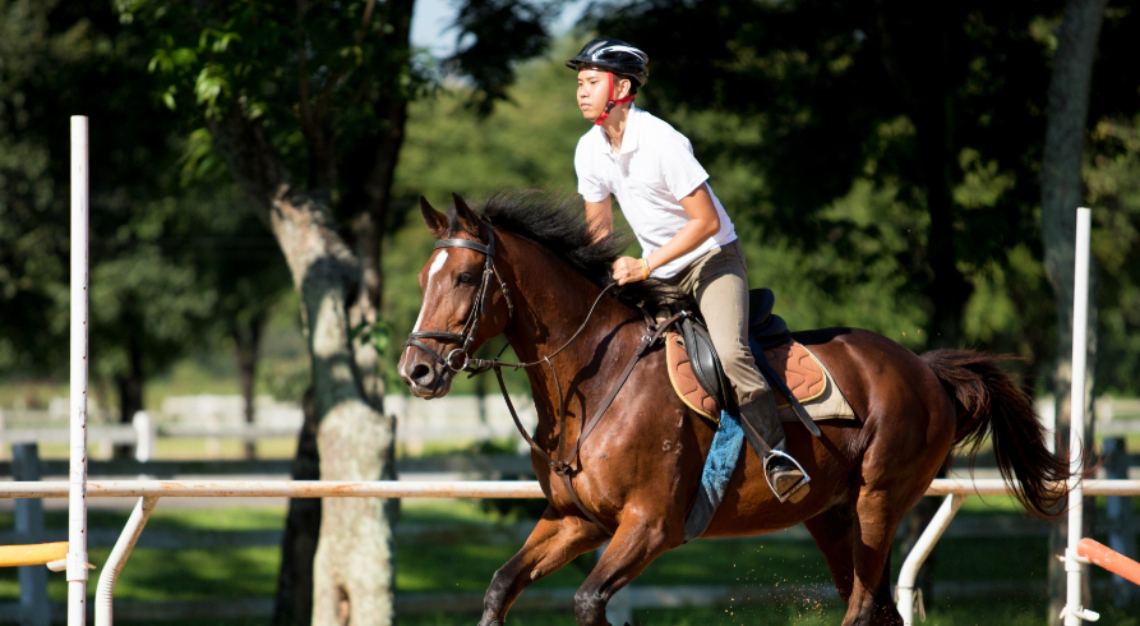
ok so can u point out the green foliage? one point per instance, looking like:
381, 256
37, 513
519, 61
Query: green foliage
1113, 176
527, 142
33, 247
62, 54
325, 81
171, 262
492, 34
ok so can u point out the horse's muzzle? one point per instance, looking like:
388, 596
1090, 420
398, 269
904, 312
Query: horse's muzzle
424, 377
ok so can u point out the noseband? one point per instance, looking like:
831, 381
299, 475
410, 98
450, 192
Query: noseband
458, 358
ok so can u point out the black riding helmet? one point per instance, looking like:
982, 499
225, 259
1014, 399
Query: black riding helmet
613, 55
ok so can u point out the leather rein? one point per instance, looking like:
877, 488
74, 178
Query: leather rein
459, 359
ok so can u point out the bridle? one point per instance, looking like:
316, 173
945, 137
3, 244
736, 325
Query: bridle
471, 326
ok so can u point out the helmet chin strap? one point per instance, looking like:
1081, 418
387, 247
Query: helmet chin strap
611, 103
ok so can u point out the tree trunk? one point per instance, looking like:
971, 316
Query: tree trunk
130, 387
352, 574
293, 605
1061, 193
246, 334
352, 438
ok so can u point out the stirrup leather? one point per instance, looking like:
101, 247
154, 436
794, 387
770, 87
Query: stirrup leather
772, 453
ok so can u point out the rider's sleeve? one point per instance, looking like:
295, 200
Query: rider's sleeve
680, 170
590, 185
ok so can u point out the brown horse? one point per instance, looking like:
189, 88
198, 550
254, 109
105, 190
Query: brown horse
528, 269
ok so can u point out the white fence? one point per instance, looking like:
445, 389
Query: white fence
450, 419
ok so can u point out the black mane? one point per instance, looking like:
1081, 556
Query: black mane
560, 226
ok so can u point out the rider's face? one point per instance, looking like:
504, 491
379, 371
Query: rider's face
594, 91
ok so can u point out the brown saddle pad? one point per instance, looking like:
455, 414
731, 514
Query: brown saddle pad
802, 372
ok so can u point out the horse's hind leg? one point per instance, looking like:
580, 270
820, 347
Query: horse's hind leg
633, 547
877, 519
834, 533
554, 542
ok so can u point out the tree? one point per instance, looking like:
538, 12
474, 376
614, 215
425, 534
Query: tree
307, 104
1061, 193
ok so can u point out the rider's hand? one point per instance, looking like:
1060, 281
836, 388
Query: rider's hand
627, 270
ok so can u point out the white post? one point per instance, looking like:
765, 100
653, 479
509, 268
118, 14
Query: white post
77, 491
907, 597
1047, 410
1074, 612
144, 436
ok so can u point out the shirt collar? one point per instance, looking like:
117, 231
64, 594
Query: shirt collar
629, 138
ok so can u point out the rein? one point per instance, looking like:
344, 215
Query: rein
565, 466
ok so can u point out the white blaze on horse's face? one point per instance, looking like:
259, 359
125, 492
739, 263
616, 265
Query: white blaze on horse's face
436, 265
423, 376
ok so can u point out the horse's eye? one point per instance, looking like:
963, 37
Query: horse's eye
466, 278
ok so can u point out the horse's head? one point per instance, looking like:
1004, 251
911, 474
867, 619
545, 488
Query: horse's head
465, 300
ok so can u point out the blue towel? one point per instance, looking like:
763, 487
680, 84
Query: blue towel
719, 466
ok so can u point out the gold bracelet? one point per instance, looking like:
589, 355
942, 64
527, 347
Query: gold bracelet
647, 272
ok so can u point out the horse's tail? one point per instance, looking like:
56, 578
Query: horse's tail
988, 401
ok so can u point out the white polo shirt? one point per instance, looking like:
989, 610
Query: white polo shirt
653, 171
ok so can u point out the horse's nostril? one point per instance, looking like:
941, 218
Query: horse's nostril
420, 372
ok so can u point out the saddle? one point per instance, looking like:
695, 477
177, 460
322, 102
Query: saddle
800, 382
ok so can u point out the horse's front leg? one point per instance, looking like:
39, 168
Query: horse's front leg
554, 542
633, 547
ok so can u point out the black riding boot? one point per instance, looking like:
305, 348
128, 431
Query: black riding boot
765, 433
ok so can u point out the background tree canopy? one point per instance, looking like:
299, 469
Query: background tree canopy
816, 131
807, 114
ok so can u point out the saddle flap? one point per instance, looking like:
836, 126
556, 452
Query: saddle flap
685, 382
703, 358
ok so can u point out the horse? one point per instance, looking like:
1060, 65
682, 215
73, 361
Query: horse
620, 460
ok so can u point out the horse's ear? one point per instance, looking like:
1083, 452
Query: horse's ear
436, 221
467, 218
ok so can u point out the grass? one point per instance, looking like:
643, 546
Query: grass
466, 544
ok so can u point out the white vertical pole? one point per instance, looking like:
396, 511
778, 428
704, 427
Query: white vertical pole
1073, 608
77, 500
909, 598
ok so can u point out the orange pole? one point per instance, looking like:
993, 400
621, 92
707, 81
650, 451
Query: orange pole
32, 554
1109, 559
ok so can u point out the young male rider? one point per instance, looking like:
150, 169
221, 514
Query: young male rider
686, 237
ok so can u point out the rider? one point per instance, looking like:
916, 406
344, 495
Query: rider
685, 235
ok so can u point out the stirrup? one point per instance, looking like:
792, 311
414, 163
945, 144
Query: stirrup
799, 490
